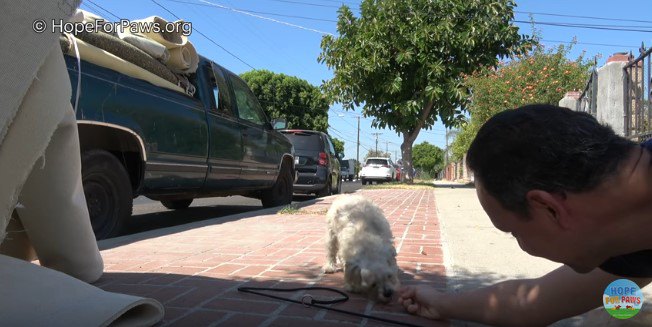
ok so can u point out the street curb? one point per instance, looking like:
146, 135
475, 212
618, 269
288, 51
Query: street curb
128, 239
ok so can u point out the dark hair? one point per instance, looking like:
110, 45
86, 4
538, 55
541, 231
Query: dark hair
543, 147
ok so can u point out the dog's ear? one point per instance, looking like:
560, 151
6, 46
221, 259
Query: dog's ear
353, 272
391, 261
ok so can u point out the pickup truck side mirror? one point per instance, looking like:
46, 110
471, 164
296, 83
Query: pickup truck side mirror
279, 123
340, 155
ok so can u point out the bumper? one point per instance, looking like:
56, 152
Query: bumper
310, 182
376, 178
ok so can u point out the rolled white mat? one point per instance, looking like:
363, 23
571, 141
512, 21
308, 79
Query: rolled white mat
183, 59
84, 16
151, 47
168, 39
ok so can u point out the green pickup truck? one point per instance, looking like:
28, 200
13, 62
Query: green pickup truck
140, 139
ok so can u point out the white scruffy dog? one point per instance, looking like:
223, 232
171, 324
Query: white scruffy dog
360, 238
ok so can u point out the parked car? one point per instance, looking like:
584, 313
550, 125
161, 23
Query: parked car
316, 163
377, 169
137, 138
348, 169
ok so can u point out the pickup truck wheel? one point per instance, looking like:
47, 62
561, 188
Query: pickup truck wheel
108, 192
281, 193
176, 204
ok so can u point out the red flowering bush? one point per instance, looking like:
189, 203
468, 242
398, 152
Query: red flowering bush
539, 76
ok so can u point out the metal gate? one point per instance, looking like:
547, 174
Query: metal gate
638, 100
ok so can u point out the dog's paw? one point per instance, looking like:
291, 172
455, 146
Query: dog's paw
329, 269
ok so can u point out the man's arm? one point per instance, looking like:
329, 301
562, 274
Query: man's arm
559, 294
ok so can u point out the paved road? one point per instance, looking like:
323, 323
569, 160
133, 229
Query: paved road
150, 214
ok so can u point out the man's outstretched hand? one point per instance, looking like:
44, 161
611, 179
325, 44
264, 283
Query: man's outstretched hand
421, 301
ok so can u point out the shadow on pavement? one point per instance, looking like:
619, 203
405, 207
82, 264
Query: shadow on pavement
454, 185
215, 301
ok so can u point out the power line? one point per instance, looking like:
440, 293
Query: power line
587, 43
342, 2
304, 3
588, 26
204, 35
103, 9
267, 18
584, 17
255, 12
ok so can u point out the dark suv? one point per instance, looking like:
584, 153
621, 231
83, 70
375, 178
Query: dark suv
316, 162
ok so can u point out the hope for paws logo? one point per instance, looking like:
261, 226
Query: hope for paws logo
622, 299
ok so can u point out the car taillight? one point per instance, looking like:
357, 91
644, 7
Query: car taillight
322, 159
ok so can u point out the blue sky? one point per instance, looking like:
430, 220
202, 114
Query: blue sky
284, 36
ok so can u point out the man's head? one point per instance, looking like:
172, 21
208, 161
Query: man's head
530, 158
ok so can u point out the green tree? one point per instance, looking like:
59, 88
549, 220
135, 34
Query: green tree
338, 145
404, 60
374, 153
428, 158
303, 105
540, 76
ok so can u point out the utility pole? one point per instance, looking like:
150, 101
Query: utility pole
376, 134
357, 156
387, 147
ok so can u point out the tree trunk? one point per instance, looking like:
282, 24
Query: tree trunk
406, 152
408, 141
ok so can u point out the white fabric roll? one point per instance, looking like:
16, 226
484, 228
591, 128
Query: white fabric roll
151, 47
173, 40
183, 59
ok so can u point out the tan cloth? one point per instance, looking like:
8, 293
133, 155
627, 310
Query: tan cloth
44, 297
36, 121
21, 55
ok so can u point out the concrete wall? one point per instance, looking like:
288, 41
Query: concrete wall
610, 94
570, 100
611, 99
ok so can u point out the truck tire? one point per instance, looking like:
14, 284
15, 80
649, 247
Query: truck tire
176, 204
108, 192
281, 193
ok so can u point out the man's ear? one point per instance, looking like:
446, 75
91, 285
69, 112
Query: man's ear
549, 205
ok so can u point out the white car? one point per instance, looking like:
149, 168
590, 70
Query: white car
377, 169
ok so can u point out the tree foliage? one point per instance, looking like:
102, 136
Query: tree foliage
338, 145
374, 153
540, 76
303, 105
428, 158
404, 60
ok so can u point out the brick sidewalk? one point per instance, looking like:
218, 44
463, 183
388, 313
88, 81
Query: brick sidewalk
195, 269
